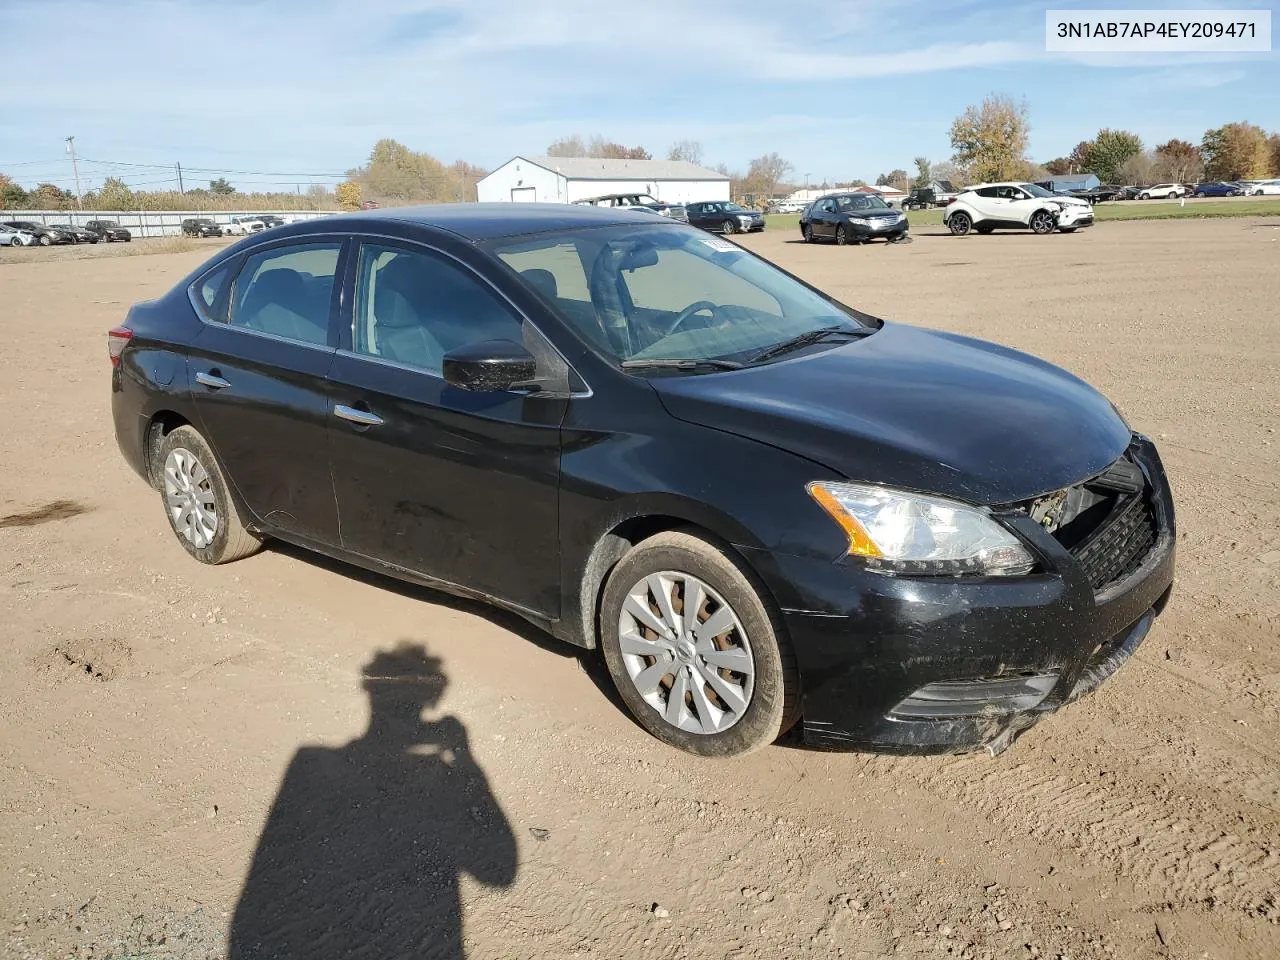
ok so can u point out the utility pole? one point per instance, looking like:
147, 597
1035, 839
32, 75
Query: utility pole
75, 172
180, 190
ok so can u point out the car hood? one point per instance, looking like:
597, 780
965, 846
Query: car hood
917, 409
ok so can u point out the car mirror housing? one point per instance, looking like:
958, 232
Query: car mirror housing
489, 366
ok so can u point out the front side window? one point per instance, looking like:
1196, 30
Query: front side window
1036, 191
413, 307
669, 292
287, 292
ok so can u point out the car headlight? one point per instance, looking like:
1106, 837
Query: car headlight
860, 221
895, 531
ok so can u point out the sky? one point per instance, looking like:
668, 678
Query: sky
297, 91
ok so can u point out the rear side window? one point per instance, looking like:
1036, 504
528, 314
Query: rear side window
287, 292
986, 192
206, 292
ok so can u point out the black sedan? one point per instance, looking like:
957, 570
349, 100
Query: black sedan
852, 218
109, 230
77, 233
45, 235
722, 216
200, 227
761, 506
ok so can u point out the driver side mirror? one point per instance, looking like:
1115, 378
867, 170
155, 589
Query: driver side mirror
489, 366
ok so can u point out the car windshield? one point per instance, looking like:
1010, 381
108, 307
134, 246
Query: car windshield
1035, 191
857, 202
107, 223
733, 208
669, 292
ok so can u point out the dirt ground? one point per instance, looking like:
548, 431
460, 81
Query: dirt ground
153, 711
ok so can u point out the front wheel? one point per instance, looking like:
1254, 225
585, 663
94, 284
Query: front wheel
1199, 194
807, 232
1042, 222
842, 236
696, 652
198, 502
44, 240
959, 223
730, 227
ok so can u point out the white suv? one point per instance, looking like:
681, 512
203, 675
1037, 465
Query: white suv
1016, 206
1163, 191
1263, 187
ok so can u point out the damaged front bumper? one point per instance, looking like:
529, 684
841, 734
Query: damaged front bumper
925, 665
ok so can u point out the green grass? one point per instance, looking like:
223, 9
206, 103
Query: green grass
1146, 210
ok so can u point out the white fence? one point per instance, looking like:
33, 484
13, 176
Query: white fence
151, 223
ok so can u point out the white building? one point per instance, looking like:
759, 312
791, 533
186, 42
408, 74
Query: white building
566, 179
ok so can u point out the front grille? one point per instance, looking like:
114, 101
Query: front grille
1120, 543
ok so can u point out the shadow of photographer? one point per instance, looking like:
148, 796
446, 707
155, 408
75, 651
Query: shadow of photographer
366, 843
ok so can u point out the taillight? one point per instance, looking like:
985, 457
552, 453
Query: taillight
117, 338
951, 201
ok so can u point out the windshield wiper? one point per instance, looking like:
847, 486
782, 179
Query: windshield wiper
681, 363
808, 337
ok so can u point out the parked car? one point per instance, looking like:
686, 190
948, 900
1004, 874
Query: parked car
763, 506
724, 216
109, 230
270, 220
1216, 188
241, 226
44, 234
1129, 193
1265, 187
1164, 191
637, 201
1017, 206
78, 234
201, 227
788, 206
13, 237
1098, 194
852, 218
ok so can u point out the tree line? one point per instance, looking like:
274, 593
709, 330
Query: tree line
990, 144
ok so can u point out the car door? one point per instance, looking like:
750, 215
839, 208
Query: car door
697, 216
1019, 205
456, 485
823, 218
258, 371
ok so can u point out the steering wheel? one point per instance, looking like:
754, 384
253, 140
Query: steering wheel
696, 307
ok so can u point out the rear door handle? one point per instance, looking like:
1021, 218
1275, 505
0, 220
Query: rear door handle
364, 418
211, 381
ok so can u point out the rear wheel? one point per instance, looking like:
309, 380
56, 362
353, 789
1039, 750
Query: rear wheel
198, 502
959, 223
1042, 222
696, 652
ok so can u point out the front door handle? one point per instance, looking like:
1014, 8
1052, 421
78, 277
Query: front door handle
212, 381
364, 418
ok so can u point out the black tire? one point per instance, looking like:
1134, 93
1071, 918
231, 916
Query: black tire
730, 227
807, 232
231, 541
774, 704
985, 230
1199, 194
842, 236
1042, 223
959, 223
45, 241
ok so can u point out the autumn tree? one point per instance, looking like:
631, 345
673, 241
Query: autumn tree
1140, 169
12, 196
347, 194
1236, 151
991, 140
1058, 166
1177, 161
573, 146
924, 171
597, 147
48, 196
897, 179
1273, 144
951, 173
765, 173
1081, 157
115, 195
1108, 152
690, 150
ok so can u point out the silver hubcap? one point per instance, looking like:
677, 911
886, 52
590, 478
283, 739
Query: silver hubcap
188, 493
686, 652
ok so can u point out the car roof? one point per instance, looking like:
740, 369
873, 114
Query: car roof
487, 221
